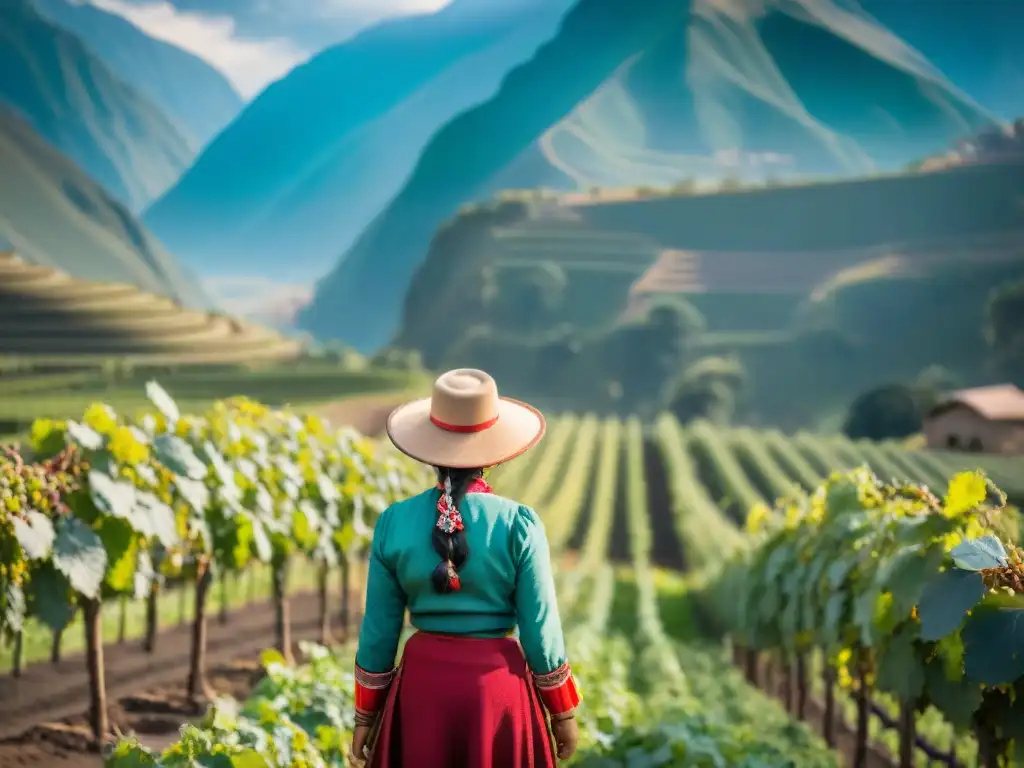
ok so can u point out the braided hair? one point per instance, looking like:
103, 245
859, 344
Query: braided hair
452, 548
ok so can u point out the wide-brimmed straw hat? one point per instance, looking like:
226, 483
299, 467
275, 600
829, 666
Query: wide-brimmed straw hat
465, 424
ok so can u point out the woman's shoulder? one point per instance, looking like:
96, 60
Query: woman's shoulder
520, 520
510, 509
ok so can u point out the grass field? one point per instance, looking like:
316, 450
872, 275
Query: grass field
29, 396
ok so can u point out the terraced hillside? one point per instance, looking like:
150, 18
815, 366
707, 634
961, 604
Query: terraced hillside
748, 258
47, 315
54, 214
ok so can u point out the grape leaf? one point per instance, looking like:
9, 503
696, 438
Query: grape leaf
261, 546
978, 554
957, 700
114, 497
121, 544
14, 607
994, 645
164, 402
900, 672
51, 598
838, 571
154, 519
84, 436
843, 498
194, 492
908, 573
145, 574
834, 610
34, 534
946, 600
78, 553
178, 456
328, 490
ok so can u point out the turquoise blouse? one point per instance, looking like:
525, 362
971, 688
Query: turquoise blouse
506, 581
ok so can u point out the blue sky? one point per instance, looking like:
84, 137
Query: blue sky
254, 42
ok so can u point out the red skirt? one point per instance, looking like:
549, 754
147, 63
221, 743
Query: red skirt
461, 702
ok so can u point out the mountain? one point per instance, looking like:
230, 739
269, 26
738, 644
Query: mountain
710, 88
193, 94
311, 160
992, 71
74, 101
53, 214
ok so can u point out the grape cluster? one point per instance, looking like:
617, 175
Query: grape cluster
37, 485
1010, 576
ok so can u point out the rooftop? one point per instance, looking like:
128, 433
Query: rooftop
1000, 402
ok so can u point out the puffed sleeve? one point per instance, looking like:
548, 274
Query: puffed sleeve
381, 626
540, 628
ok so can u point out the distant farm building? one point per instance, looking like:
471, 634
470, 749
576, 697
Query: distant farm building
979, 420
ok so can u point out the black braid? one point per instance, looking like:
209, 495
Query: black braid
453, 549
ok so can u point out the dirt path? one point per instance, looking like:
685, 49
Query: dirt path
42, 714
369, 413
666, 548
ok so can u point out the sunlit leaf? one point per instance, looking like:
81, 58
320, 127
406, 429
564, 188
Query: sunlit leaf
85, 437
78, 553
34, 533
163, 403
979, 554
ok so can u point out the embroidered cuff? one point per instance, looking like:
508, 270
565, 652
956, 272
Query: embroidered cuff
371, 689
558, 690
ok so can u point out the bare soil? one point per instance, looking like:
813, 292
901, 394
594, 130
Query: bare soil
666, 548
619, 550
43, 719
845, 735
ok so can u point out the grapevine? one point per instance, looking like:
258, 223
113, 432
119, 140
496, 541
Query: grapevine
917, 587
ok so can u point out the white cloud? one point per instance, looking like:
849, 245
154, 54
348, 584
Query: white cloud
379, 8
248, 64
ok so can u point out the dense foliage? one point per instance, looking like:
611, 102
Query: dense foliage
912, 594
108, 506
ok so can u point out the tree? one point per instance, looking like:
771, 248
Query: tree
890, 411
710, 388
1004, 329
529, 299
645, 353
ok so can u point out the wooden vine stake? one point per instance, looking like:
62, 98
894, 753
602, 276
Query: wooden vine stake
801, 686
92, 612
786, 672
19, 640
828, 725
282, 612
752, 664
152, 616
907, 726
770, 683
198, 691
55, 646
860, 756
